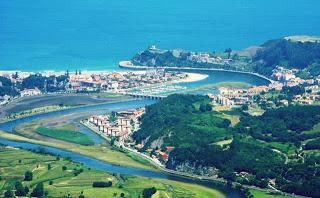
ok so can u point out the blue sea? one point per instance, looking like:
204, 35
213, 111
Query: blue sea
95, 34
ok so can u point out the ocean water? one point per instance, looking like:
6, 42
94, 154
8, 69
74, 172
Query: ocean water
96, 34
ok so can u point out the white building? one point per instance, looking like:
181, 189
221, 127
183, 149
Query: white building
30, 92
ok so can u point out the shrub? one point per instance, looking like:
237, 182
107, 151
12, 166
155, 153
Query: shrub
148, 192
101, 184
8, 194
20, 190
28, 176
38, 191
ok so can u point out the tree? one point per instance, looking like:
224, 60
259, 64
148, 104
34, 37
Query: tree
229, 50
245, 107
8, 194
208, 107
113, 116
26, 189
122, 195
38, 191
28, 175
49, 166
64, 168
20, 190
81, 196
203, 108
34, 81
148, 192
101, 184
16, 75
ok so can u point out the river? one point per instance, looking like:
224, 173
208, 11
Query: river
214, 77
101, 108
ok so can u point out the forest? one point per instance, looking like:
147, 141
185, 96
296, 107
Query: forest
46, 84
6, 87
289, 54
284, 124
299, 55
194, 132
180, 121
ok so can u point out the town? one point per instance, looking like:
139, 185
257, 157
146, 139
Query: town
117, 128
285, 88
21, 84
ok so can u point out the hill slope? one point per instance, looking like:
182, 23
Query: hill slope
262, 149
300, 52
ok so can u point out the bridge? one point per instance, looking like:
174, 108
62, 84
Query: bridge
146, 96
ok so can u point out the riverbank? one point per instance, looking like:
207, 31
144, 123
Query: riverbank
229, 85
102, 152
67, 177
98, 152
127, 65
29, 102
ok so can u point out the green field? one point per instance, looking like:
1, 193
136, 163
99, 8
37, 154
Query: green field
102, 152
65, 135
230, 85
263, 194
287, 148
14, 163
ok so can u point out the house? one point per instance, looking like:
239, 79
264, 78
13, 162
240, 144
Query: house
30, 92
169, 148
284, 102
164, 157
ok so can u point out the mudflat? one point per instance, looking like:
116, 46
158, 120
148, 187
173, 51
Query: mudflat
32, 102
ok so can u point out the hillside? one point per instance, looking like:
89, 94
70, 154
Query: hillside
299, 52
274, 147
154, 57
290, 54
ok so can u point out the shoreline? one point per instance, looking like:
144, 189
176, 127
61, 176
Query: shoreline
192, 77
67, 108
124, 64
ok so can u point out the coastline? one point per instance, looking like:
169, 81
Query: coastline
126, 65
192, 77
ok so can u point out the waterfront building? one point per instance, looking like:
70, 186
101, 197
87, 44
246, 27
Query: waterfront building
30, 92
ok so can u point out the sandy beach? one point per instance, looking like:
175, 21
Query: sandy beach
128, 65
193, 77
